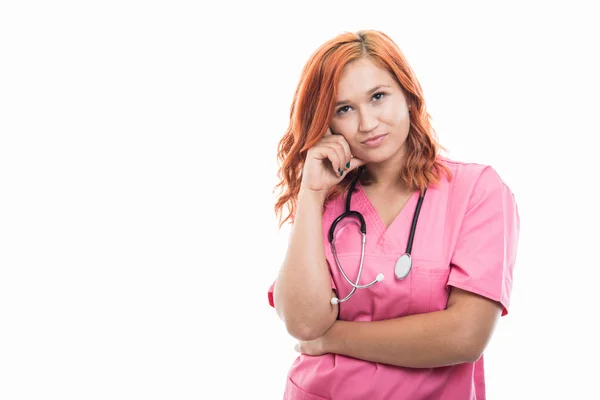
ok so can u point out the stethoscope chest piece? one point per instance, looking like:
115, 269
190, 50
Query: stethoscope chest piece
403, 266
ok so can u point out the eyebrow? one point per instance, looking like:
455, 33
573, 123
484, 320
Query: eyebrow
339, 103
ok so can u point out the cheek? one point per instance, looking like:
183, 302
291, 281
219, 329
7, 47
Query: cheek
343, 126
347, 128
396, 116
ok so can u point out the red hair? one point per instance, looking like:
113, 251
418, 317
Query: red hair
313, 108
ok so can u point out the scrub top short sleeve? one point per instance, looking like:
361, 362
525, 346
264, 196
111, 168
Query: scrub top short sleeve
486, 247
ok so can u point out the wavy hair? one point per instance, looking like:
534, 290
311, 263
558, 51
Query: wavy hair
313, 108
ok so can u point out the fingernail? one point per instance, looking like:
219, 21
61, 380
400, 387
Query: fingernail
348, 165
339, 170
341, 173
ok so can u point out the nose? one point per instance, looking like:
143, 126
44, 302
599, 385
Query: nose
368, 120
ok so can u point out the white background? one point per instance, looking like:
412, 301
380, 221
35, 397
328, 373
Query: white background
137, 162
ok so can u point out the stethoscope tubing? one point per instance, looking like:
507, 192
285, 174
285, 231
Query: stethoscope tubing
363, 229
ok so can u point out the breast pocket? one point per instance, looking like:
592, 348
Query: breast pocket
428, 290
389, 298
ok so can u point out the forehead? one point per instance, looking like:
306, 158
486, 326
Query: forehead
361, 75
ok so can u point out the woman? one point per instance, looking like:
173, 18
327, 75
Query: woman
435, 266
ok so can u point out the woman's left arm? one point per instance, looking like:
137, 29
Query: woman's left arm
455, 335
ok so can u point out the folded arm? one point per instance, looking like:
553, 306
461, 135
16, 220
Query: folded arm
455, 335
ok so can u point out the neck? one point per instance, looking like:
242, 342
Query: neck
385, 175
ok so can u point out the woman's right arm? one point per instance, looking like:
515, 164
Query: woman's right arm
302, 292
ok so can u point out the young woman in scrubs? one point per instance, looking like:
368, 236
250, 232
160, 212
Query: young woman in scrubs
359, 113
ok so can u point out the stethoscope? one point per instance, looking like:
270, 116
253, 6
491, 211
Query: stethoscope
404, 262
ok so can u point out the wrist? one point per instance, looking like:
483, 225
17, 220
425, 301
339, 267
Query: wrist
331, 340
312, 195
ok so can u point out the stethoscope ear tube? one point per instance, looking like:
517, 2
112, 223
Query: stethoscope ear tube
413, 227
363, 225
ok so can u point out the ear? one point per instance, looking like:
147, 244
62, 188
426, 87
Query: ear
409, 100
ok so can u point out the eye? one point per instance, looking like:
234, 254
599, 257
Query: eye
342, 110
379, 94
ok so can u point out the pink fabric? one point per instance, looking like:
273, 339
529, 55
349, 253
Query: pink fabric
466, 237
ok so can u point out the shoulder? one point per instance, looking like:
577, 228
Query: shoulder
464, 171
471, 179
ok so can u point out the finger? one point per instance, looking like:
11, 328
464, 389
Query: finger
339, 149
347, 152
341, 140
355, 163
325, 151
338, 154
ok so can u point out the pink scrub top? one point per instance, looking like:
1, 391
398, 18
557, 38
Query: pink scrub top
466, 237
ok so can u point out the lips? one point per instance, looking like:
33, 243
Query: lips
373, 139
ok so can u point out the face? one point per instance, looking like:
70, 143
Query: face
371, 112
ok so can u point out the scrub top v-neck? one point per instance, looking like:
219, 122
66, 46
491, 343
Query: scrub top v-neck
375, 225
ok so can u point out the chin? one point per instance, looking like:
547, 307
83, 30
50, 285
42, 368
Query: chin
377, 156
